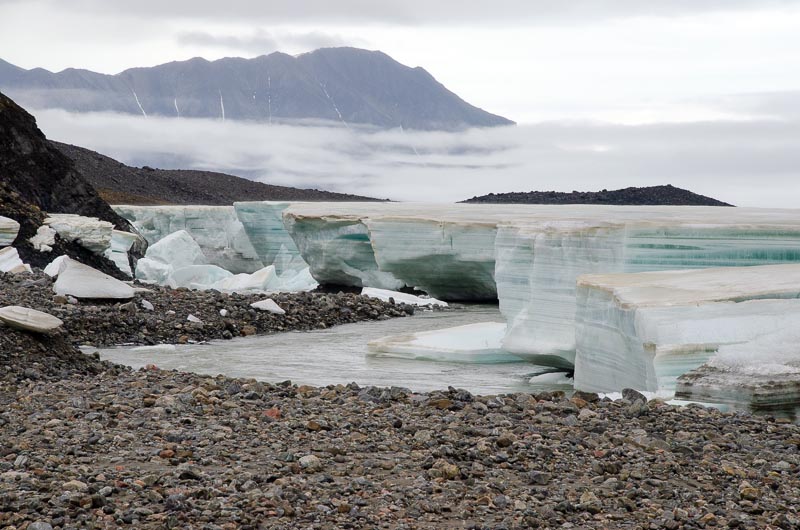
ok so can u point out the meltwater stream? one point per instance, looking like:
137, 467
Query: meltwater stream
340, 355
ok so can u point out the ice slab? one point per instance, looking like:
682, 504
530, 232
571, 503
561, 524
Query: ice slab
55, 267
201, 277
28, 319
177, 249
258, 281
82, 281
401, 298
10, 261
292, 281
121, 244
644, 330
9, 229
761, 374
44, 239
268, 305
472, 343
216, 229
89, 232
173, 252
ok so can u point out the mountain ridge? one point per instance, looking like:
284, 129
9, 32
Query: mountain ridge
344, 85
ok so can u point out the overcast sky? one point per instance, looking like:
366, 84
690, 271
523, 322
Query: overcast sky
626, 61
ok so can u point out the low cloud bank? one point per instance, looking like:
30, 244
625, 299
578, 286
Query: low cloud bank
748, 163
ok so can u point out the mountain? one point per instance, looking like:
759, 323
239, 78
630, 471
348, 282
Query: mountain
118, 183
35, 177
647, 196
346, 85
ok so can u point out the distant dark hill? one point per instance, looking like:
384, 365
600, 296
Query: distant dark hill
346, 85
648, 196
121, 184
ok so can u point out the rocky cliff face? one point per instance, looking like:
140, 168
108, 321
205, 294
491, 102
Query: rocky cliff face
35, 178
36, 174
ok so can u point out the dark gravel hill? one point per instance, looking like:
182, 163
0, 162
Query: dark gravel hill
647, 196
118, 183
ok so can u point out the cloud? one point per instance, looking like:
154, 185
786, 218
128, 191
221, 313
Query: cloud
749, 163
263, 42
413, 12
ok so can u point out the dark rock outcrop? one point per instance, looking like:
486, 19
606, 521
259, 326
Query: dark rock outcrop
35, 178
647, 196
346, 85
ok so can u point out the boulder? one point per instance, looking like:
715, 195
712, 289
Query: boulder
28, 319
82, 281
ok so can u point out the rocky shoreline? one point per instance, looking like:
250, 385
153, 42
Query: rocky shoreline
90, 444
156, 449
221, 315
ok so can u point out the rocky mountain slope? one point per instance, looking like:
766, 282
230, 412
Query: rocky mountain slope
646, 196
118, 183
345, 85
36, 175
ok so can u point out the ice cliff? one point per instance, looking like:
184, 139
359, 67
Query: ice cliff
528, 256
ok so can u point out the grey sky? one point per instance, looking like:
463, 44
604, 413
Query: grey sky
406, 12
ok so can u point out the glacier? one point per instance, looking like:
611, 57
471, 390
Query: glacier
527, 257
643, 330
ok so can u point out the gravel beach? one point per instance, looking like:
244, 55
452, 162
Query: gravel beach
88, 444
107, 323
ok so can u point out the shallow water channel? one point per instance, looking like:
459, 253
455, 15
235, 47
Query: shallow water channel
340, 355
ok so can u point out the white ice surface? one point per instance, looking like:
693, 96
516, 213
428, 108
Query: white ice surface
472, 343
89, 232
401, 298
82, 281
28, 319
268, 305
644, 330
44, 239
201, 277
10, 261
55, 267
